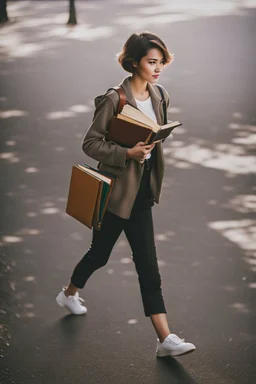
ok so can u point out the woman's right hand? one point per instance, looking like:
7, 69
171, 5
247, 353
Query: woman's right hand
140, 151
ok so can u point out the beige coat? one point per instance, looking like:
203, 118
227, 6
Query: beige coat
112, 157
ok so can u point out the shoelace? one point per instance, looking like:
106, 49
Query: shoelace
175, 339
78, 298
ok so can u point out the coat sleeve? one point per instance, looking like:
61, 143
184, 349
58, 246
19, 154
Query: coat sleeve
94, 144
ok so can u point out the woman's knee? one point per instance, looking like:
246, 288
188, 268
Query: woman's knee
96, 259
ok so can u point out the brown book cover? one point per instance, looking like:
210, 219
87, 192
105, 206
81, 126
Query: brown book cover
131, 126
89, 193
126, 133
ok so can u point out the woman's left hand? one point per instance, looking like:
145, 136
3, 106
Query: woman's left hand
152, 146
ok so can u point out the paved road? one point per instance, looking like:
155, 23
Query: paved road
204, 224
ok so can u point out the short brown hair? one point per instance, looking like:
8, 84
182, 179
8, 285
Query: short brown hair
138, 46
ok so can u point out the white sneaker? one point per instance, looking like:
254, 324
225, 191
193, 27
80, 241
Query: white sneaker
173, 346
71, 303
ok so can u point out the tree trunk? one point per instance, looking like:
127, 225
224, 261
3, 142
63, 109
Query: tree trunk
72, 13
3, 11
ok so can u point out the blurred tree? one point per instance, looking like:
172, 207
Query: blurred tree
3, 11
72, 13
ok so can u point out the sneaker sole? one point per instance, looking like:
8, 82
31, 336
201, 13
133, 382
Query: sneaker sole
159, 354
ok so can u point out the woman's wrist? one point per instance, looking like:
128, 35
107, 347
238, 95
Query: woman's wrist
128, 153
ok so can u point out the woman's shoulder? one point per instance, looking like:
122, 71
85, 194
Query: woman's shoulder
109, 96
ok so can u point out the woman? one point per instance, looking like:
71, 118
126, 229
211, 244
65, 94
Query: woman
139, 173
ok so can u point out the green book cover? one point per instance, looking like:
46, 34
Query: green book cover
105, 189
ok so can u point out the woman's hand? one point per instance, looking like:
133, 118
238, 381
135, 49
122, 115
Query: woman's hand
140, 151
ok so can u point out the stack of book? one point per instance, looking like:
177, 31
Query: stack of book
88, 196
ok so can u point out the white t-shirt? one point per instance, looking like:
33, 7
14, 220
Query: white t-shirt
147, 108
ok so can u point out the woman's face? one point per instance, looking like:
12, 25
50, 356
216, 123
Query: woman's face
151, 65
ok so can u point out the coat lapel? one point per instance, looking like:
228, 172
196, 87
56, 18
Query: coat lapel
156, 101
154, 94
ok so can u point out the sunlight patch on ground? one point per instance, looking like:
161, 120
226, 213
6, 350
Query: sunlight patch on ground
31, 170
166, 12
12, 239
12, 113
161, 263
174, 110
14, 46
237, 115
132, 321
240, 308
242, 233
166, 236
31, 214
136, 22
198, 8
80, 109
248, 140
125, 260
58, 115
72, 112
82, 32
6, 155
29, 231
10, 143
243, 203
10, 157
29, 279
76, 236
229, 288
121, 244
59, 149
49, 211
224, 157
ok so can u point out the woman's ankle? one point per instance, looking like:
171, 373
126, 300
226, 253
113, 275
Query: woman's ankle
70, 290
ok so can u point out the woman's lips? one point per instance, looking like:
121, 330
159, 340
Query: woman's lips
156, 76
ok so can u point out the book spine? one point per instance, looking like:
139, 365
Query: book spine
147, 141
150, 138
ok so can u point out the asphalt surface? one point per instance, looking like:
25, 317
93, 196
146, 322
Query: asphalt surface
204, 225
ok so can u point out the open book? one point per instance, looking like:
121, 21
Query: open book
89, 194
131, 126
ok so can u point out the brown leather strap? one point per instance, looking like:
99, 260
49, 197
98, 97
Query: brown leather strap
122, 98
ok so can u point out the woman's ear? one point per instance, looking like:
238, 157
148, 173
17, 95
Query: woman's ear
134, 64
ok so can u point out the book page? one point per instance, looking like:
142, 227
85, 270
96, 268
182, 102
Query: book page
133, 121
137, 115
171, 124
96, 174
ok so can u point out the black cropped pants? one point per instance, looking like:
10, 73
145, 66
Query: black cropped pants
140, 235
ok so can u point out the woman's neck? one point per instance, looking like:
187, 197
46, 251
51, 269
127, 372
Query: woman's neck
139, 87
